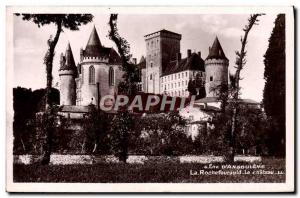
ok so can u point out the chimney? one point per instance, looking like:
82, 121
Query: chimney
134, 61
189, 53
178, 57
199, 54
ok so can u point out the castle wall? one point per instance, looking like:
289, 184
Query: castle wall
67, 87
176, 84
161, 48
216, 74
88, 93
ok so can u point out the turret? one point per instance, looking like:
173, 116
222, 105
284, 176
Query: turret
216, 69
67, 75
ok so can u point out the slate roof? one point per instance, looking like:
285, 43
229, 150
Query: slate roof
216, 51
142, 63
194, 62
94, 48
163, 31
67, 62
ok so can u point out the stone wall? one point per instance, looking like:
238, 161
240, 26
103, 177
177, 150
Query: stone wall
57, 159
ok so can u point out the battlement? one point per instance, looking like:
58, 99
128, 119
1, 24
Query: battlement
216, 62
87, 59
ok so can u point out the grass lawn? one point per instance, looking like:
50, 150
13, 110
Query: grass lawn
149, 172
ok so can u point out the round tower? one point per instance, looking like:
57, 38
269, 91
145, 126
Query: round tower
216, 69
67, 75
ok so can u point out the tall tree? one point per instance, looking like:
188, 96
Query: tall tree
67, 21
274, 91
240, 63
124, 121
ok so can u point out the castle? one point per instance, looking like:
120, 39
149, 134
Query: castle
163, 70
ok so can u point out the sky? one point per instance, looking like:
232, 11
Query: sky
198, 33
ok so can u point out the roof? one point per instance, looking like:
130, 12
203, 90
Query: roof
216, 51
67, 61
94, 48
194, 62
142, 63
164, 31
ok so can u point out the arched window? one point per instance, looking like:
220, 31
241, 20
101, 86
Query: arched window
111, 77
92, 75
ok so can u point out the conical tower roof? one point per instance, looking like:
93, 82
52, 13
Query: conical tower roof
93, 47
68, 62
216, 51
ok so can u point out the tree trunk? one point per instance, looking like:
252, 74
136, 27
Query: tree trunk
49, 63
48, 110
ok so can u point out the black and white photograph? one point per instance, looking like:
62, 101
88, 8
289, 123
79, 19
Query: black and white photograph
137, 99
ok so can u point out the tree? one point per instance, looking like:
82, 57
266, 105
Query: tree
274, 90
128, 87
67, 21
229, 96
197, 87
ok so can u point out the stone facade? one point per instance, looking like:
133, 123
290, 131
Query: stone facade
161, 48
97, 74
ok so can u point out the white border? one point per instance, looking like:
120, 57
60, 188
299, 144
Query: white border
156, 187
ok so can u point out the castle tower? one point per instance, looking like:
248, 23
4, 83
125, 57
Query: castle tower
161, 48
67, 75
98, 75
216, 69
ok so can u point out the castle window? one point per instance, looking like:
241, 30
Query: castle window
91, 75
150, 76
111, 77
178, 76
186, 74
211, 78
151, 64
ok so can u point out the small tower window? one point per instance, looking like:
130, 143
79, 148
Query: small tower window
111, 77
92, 75
150, 76
211, 78
151, 64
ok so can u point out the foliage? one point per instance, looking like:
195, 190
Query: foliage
274, 90
94, 130
67, 21
121, 127
26, 103
162, 134
131, 71
229, 96
250, 136
197, 87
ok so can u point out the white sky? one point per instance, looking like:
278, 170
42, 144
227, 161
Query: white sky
198, 33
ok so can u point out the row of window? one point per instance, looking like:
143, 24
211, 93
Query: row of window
92, 80
178, 75
174, 85
179, 93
